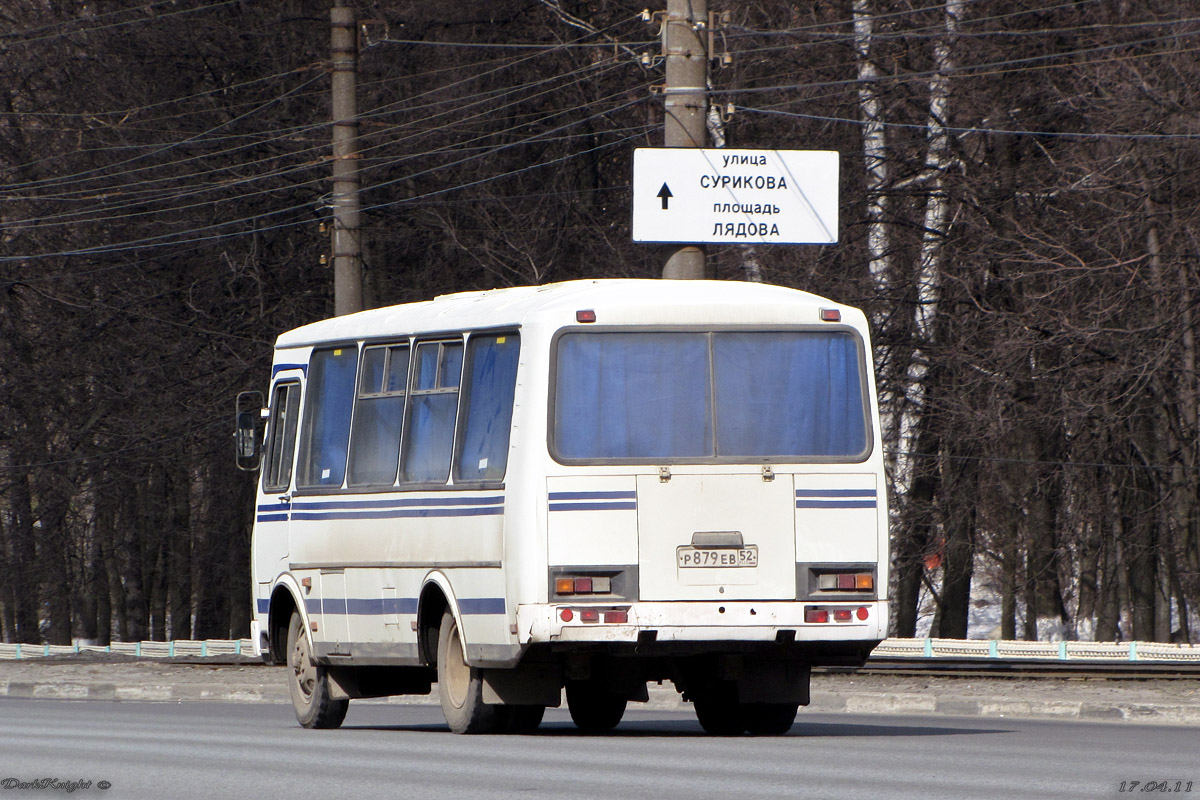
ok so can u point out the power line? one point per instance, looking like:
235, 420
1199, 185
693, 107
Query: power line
178, 192
24, 38
993, 131
399, 107
219, 229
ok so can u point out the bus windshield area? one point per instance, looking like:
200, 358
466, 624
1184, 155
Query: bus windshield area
725, 395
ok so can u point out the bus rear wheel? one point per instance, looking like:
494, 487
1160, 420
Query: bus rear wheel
719, 710
308, 683
769, 719
593, 708
460, 686
520, 720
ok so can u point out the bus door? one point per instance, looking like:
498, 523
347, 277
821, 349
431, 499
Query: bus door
273, 513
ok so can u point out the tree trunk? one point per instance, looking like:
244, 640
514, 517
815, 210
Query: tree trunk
24, 575
959, 561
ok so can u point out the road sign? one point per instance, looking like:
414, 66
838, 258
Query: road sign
693, 195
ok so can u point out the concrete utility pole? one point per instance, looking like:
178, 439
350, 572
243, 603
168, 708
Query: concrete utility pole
347, 244
686, 96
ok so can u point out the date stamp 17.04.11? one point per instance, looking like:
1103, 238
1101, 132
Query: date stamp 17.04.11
1162, 787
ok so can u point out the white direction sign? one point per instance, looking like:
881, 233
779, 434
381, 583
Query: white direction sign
692, 196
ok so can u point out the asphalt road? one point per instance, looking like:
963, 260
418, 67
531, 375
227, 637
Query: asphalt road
185, 750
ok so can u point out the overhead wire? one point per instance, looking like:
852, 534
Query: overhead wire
400, 108
23, 37
177, 192
571, 44
90, 192
209, 232
368, 115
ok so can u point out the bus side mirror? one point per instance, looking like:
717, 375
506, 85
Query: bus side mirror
247, 432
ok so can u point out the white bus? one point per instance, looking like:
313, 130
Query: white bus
586, 486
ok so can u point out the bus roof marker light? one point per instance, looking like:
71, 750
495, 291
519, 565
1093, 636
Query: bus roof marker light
585, 315
831, 315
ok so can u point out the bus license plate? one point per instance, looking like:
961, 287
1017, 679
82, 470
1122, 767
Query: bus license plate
689, 557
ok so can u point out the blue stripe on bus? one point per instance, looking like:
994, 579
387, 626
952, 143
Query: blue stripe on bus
366, 606
376, 606
333, 605
486, 511
593, 506
593, 501
278, 368
385, 509
593, 496
836, 504
404, 502
372, 606
481, 605
836, 498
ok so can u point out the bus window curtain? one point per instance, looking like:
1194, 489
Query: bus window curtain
632, 396
489, 408
788, 394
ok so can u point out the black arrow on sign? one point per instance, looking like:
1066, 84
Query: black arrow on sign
665, 194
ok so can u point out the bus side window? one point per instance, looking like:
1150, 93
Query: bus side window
433, 408
491, 380
325, 434
379, 416
281, 439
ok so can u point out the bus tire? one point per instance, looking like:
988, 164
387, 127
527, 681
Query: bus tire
719, 710
593, 708
460, 686
769, 719
308, 683
520, 720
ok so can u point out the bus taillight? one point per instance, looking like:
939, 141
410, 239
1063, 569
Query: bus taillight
585, 584
846, 582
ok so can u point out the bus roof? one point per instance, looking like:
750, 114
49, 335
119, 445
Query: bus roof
623, 301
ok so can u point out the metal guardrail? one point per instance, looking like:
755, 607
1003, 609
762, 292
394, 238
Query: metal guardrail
178, 648
1161, 652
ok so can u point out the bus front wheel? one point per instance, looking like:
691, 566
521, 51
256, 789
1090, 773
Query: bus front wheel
308, 683
460, 686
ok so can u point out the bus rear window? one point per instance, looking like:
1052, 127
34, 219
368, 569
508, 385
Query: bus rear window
653, 396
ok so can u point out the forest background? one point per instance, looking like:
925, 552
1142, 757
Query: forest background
1019, 218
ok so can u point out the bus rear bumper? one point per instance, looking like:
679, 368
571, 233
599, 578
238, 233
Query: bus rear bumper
701, 622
